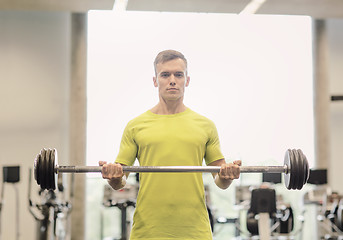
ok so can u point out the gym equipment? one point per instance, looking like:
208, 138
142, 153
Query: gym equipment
340, 215
52, 213
337, 98
295, 169
11, 174
122, 199
263, 204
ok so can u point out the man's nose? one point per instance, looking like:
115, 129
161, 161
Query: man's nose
172, 80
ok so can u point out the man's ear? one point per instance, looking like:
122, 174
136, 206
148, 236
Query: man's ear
187, 81
155, 81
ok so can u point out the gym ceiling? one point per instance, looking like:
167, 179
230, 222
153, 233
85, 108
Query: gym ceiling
319, 9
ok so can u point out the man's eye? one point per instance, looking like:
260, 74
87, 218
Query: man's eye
165, 75
179, 75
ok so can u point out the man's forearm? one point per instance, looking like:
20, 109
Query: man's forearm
117, 183
221, 182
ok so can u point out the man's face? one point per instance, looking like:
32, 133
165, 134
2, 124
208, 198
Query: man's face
171, 79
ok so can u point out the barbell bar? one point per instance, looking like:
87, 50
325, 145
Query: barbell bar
295, 169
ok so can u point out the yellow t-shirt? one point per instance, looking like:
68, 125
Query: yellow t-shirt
170, 205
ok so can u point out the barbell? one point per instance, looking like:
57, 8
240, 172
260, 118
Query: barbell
295, 169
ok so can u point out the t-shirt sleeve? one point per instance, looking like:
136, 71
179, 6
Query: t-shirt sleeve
213, 151
128, 147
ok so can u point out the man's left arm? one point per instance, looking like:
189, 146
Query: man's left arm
228, 172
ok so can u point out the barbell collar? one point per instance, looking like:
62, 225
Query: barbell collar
212, 169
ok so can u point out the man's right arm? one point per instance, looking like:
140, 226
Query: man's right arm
113, 172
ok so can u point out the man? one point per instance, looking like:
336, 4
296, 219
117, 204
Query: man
170, 205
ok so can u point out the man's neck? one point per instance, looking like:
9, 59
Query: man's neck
163, 108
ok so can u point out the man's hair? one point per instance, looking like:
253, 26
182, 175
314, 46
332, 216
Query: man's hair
168, 55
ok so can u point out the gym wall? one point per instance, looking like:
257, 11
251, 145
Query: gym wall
34, 102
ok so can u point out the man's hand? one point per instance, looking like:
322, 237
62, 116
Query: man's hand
111, 170
114, 173
230, 171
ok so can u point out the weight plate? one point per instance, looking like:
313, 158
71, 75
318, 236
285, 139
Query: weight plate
291, 174
55, 166
303, 170
42, 154
49, 175
52, 169
296, 163
306, 167
303, 167
294, 172
340, 215
47, 169
307, 171
42, 170
293, 161
300, 170
36, 168
287, 175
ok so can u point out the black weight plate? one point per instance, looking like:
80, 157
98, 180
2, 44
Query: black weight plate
306, 167
56, 160
293, 171
42, 156
296, 169
55, 166
49, 170
303, 169
42, 170
340, 215
300, 170
52, 169
307, 170
290, 175
36, 168
46, 169
287, 162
